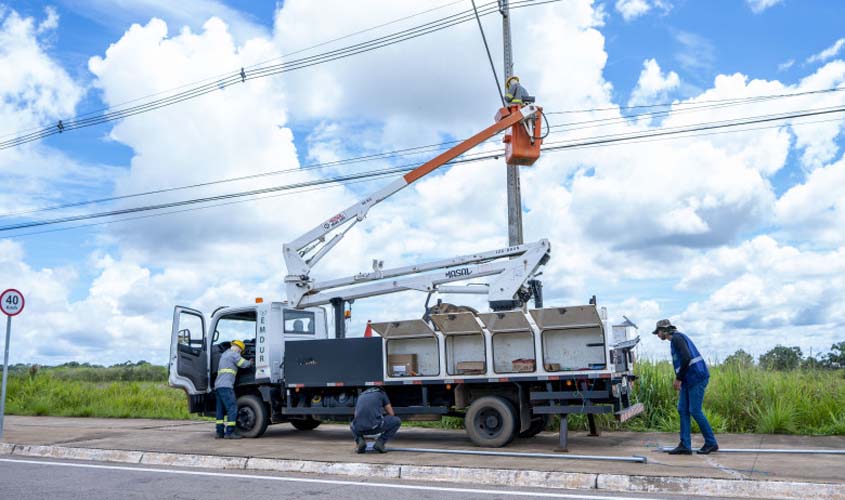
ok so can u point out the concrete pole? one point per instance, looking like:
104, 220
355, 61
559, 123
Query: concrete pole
5, 374
514, 194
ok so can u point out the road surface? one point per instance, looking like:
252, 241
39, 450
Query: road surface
31, 479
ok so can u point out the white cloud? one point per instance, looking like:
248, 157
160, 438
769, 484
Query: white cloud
653, 85
697, 53
786, 65
619, 218
632, 9
766, 294
827, 53
815, 210
758, 6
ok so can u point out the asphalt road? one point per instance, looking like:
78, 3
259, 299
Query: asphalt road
25, 479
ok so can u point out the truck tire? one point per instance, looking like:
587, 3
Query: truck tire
491, 422
253, 417
305, 424
538, 424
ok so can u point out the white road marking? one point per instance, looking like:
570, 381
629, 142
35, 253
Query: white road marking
326, 481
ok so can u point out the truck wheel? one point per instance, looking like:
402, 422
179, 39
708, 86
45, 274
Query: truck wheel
490, 422
538, 424
305, 424
252, 416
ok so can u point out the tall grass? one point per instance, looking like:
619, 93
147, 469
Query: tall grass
47, 394
740, 398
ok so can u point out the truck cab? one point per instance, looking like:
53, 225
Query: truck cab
197, 342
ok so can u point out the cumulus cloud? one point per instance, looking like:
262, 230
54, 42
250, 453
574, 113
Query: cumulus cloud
645, 216
767, 293
758, 6
653, 84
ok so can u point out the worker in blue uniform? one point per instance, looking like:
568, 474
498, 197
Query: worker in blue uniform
691, 378
374, 416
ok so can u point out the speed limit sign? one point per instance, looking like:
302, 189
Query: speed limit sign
11, 302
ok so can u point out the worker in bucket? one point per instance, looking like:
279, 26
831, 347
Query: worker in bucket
224, 389
515, 93
691, 378
370, 420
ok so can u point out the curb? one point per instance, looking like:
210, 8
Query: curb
736, 488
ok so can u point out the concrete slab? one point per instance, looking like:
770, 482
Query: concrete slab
332, 444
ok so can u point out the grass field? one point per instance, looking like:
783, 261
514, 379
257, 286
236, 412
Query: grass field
739, 398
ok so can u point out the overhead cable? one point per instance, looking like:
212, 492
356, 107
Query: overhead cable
560, 146
244, 75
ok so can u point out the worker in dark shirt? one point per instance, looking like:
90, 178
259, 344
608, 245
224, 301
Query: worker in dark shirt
691, 378
370, 420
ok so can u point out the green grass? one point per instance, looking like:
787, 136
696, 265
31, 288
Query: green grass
47, 394
739, 399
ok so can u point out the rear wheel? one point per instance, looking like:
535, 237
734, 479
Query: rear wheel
490, 422
305, 424
253, 416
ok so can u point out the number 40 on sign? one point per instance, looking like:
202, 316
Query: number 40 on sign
11, 302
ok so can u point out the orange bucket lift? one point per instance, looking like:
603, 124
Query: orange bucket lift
523, 140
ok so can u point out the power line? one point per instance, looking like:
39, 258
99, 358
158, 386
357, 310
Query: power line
379, 176
563, 145
568, 127
244, 75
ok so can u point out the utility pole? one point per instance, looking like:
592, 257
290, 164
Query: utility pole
514, 195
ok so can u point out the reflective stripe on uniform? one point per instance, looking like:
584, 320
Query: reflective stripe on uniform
218, 422
691, 362
227, 370
240, 362
230, 424
516, 101
509, 96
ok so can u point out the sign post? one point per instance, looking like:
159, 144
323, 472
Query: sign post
11, 303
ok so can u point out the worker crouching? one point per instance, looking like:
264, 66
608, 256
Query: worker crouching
224, 390
374, 416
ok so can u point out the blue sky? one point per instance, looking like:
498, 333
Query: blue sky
696, 41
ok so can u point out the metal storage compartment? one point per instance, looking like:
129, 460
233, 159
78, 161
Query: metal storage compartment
466, 352
512, 341
573, 338
411, 345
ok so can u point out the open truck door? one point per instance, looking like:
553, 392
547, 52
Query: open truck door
188, 352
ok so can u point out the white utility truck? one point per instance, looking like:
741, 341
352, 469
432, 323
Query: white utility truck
504, 371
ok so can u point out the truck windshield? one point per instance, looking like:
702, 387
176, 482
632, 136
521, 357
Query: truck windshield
301, 322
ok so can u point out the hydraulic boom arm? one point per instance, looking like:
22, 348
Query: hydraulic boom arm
303, 253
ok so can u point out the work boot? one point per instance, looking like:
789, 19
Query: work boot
680, 450
707, 449
233, 436
360, 444
218, 436
379, 446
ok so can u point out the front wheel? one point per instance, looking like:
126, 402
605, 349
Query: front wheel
490, 422
253, 417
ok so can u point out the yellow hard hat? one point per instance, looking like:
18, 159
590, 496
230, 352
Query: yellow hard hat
508, 81
239, 344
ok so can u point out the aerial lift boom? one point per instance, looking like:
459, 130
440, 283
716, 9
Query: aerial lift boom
303, 253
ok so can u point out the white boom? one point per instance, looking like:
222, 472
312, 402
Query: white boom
303, 253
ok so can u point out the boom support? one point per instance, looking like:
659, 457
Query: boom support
302, 254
